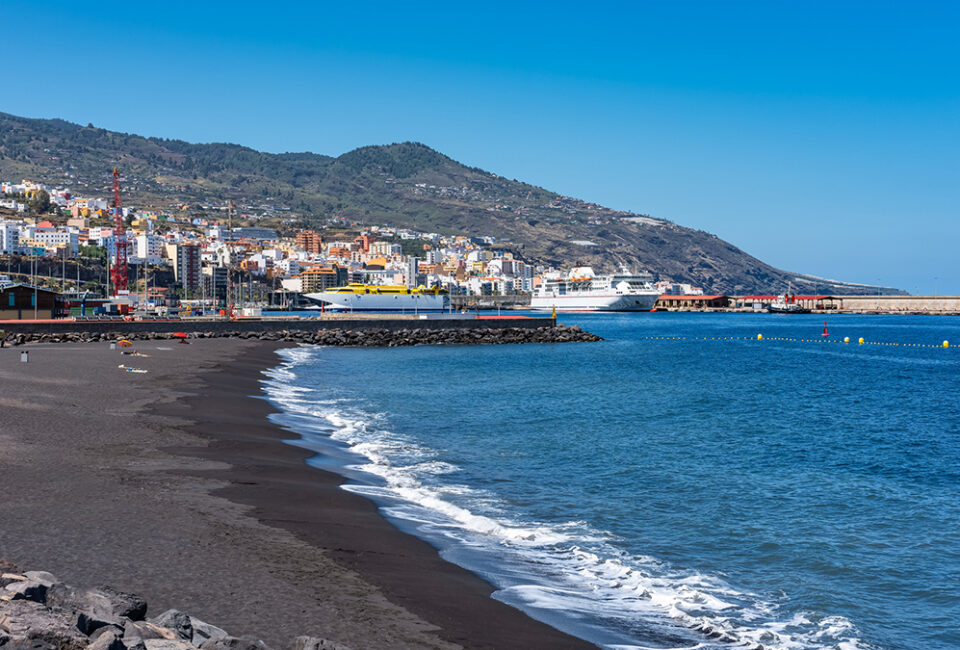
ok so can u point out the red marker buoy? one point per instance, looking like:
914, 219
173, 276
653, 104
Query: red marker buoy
825, 329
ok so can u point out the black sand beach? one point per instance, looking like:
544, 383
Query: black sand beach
174, 485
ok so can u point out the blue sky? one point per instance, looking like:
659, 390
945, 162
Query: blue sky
821, 137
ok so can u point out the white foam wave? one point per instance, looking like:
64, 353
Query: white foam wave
566, 568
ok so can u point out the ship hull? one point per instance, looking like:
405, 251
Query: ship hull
402, 302
584, 301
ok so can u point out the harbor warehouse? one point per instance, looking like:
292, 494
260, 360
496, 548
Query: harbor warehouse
22, 301
692, 302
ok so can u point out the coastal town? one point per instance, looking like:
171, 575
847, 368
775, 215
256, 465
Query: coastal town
59, 250
206, 256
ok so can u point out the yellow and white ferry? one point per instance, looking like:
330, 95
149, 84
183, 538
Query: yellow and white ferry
373, 297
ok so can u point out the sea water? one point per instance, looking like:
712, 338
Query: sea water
680, 484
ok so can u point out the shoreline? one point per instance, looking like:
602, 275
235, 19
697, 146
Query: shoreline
203, 506
406, 568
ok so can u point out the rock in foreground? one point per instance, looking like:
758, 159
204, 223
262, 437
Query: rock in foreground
38, 612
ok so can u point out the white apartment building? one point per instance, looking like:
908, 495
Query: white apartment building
288, 267
110, 243
385, 249
58, 239
479, 256
149, 248
9, 237
12, 204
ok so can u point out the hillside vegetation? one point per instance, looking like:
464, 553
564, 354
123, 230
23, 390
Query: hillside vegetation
406, 184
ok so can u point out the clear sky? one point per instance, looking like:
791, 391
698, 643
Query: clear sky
821, 137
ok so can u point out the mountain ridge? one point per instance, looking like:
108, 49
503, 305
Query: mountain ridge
405, 184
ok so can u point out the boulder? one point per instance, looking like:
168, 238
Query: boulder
107, 629
9, 577
25, 644
177, 621
125, 604
143, 630
234, 643
24, 621
27, 590
109, 639
205, 632
92, 610
98, 607
167, 644
42, 577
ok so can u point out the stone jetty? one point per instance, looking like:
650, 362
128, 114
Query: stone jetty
335, 337
38, 612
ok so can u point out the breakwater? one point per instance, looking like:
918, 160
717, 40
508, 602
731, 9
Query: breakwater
38, 611
270, 325
339, 336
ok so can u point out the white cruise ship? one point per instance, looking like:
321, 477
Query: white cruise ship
366, 297
581, 290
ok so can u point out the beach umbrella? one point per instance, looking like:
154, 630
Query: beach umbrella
124, 343
180, 335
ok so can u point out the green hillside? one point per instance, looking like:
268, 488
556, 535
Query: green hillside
406, 184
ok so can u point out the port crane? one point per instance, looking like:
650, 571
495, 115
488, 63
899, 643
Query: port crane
119, 271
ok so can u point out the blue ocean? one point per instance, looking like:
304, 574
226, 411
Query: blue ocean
681, 484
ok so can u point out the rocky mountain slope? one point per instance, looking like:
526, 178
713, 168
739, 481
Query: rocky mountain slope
406, 184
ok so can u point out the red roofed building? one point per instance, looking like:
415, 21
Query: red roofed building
691, 302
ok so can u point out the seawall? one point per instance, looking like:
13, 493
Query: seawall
257, 326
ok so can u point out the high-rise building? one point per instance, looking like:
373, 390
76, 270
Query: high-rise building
310, 241
413, 271
186, 267
215, 282
149, 248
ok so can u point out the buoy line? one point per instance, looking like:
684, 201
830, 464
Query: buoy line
761, 337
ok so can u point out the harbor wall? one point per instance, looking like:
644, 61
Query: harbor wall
899, 304
947, 305
267, 325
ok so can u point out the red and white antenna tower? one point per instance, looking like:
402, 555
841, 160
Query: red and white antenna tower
119, 272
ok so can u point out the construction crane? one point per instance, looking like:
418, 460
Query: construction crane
118, 274
231, 208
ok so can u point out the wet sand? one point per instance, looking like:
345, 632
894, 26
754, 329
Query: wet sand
174, 485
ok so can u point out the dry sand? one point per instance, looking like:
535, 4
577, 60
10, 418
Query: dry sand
173, 485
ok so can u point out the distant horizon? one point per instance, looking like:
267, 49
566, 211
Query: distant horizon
819, 137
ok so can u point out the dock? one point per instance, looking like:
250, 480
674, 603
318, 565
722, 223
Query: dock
817, 304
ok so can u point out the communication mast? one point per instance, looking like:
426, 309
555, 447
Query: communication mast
119, 272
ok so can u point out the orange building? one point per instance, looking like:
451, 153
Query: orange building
364, 241
310, 241
321, 278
